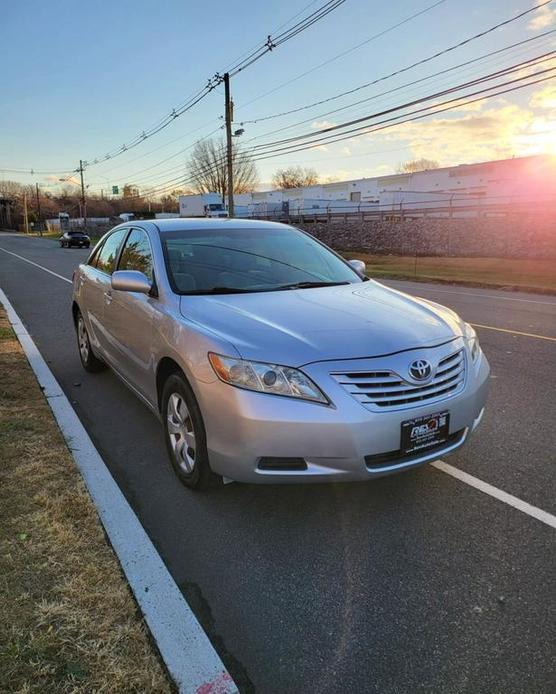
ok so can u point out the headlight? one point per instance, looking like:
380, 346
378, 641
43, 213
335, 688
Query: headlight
473, 342
266, 378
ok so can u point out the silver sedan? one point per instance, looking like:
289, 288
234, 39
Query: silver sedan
269, 358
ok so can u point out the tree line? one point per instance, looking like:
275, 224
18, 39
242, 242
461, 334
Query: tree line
205, 171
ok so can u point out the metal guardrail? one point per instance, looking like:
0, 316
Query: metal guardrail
407, 211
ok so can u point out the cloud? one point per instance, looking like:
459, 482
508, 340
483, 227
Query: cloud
544, 98
322, 124
497, 129
543, 18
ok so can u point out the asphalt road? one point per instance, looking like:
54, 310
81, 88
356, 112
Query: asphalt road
412, 583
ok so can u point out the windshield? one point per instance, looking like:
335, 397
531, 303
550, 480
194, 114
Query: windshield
254, 259
215, 206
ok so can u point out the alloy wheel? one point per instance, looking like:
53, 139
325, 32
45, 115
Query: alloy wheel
83, 339
181, 432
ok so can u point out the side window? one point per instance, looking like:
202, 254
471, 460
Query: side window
108, 254
136, 254
94, 255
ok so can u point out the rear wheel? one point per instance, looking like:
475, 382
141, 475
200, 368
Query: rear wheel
88, 360
184, 434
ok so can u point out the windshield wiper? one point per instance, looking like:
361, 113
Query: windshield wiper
310, 285
222, 290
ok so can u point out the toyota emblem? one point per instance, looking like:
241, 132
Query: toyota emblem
420, 369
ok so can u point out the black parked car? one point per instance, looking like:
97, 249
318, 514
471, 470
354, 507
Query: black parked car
74, 238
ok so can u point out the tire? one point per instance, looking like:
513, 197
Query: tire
61, 244
183, 422
90, 362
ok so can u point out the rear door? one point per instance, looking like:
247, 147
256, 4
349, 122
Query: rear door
129, 317
95, 291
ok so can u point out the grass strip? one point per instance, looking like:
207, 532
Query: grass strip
530, 275
69, 622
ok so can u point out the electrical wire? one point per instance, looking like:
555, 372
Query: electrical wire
434, 109
464, 42
512, 47
270, 44
395, 89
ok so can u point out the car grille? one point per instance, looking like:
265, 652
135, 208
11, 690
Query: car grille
387, 389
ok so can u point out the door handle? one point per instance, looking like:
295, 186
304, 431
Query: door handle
108, 296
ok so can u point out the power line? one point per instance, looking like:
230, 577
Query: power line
270, 44
513, 46
403, 86
371, 129
434, 109
464, 42
484, 78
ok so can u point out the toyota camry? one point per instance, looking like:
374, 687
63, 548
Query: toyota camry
269, 358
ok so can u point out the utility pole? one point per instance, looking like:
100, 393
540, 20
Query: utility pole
38, 209
229, 119
83, 202
25, 215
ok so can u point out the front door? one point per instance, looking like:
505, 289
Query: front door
129, 318
94, 290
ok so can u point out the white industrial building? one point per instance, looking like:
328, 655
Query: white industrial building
519, 180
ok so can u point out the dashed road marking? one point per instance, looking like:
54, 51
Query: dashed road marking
514, 332
483, 296
489, 489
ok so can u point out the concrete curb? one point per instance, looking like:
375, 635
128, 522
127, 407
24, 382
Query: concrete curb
191, 660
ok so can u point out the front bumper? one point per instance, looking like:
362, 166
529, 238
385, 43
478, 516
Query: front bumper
336, 443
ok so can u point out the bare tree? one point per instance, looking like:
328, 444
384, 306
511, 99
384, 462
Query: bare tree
130, 190
294, 177
414, 165
207, 172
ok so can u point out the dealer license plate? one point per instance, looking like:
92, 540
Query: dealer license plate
422, 433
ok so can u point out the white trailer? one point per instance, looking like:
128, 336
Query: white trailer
204, 205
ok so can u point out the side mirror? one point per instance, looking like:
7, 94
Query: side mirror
358, 265
131, 281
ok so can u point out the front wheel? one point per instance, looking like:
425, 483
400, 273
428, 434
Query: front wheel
90, 363
184, 435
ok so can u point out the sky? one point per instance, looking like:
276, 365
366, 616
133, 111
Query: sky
81, 79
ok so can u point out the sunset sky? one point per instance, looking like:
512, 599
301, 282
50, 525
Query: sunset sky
84, 78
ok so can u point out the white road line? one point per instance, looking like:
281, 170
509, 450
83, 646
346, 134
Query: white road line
484, 296
487, 488
36, 265
186, 650
514, 332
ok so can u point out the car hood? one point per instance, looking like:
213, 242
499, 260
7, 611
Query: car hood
295, 327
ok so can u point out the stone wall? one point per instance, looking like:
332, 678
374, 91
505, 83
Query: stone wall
524, 236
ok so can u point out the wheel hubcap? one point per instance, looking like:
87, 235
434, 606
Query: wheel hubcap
181, 432
83, 339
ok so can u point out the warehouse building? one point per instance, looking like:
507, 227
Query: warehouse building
518, 180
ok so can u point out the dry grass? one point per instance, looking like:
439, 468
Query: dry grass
525, 274
68, 620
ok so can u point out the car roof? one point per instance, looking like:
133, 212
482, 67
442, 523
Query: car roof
196, 224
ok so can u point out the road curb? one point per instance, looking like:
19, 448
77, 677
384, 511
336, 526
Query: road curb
190, 658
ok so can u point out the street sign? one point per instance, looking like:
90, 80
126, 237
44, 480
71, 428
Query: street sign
115, 190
